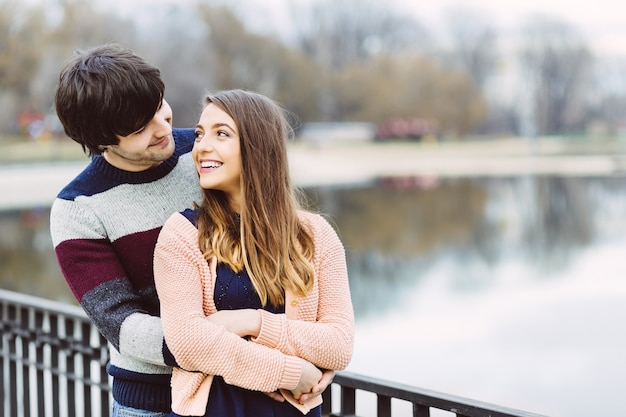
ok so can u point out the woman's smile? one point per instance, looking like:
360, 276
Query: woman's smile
209, 165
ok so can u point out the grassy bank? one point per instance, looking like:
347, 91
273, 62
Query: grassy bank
15, 150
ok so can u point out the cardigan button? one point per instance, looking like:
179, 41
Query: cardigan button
294, 303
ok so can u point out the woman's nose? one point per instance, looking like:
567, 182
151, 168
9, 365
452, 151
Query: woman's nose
204, 144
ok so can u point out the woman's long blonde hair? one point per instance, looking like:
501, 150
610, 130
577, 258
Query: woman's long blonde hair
267, 239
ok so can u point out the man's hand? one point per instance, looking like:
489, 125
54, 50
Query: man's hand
276, 396
327, 379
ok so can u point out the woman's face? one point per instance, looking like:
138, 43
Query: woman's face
217, 153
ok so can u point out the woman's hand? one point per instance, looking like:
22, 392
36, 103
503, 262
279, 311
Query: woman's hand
244, 322
327, 379
309, 378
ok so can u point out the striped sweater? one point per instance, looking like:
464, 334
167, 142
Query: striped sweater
318, 327
104, 226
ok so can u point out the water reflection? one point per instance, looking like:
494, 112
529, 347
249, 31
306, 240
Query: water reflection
27, 261
394, 234
499, 289
507, 290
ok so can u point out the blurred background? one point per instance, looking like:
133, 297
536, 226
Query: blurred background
471, 156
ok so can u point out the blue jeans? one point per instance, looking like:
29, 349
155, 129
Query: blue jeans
123, 411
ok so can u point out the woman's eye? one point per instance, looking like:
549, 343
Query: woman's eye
198, 135
222, 133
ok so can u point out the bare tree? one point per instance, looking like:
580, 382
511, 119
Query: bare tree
337, 34
474, 42
22, 42
556, 63
77, 24
240, 58
609, 95
409, 87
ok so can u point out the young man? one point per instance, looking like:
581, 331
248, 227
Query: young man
105, 222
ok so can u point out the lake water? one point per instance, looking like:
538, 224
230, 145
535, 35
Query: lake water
504, 290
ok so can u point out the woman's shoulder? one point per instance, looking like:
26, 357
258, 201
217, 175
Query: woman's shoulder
322, 231
181, 223
314, 221
309, 216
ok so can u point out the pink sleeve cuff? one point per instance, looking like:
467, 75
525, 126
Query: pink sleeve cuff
292, 373
272, 326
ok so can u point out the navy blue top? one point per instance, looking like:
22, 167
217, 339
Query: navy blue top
233, 291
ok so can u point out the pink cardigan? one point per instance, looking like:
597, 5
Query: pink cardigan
318, 327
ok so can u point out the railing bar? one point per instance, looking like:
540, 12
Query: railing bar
3, 371
433, 399
348, 401
421, 410
39, 369
12, 391
85, 335
70, 370
327, 402
54, 365
105, 397
23, 317
78, 378
42, 304
383, 405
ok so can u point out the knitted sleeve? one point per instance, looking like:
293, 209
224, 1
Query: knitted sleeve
95, 275
322, 330
184, 282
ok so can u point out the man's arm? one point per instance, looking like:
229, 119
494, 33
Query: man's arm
98, 280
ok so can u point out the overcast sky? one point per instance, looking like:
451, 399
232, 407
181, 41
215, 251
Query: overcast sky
603, 22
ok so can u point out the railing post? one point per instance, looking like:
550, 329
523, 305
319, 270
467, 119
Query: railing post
348, 401
53, 319
383, 405
11, 351
70, 367
24, 356
39, 360
3, 335
84, 331
421, 410
103, 381
327, 401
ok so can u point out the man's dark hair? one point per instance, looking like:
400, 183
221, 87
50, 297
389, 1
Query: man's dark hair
106, 91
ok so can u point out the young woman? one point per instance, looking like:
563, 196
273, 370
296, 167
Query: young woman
254, 291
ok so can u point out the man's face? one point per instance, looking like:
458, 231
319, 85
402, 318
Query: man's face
147, 147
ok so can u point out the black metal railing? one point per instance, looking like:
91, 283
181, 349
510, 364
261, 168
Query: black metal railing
52, 363
420, 401
52, 360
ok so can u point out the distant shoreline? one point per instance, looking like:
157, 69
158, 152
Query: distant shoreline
35, 184
336, 164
